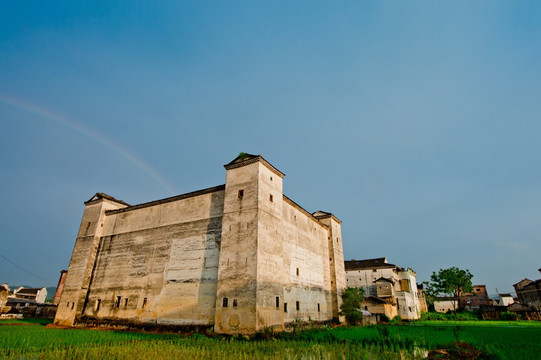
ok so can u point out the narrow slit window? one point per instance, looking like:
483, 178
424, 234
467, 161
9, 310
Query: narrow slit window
224, 302
117, 302
241, 193
234, 302
72, 305
125, 302
297, 271
318, 308
277, 301
285, 307
145, 300
98, 303
298, 305
270, 198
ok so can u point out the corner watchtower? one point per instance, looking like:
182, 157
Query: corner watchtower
73, 296
251, 184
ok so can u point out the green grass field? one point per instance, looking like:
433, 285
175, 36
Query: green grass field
21, 339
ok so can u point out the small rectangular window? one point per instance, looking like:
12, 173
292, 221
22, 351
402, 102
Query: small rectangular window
297, 271
270, 197
72, 305
241, 193
277, 301
298, 305
117, 302
224, 302
318, 308
234, 302
404, 286
285, 307
98, 303
145, 300
125, 302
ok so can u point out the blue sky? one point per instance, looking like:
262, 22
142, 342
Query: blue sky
415, 123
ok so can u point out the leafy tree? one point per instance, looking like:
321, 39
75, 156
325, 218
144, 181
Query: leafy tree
449, 282
351, 304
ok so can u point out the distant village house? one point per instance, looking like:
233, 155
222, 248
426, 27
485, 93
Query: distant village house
389, 289
445, 304
475, 300
37, 294
529, 293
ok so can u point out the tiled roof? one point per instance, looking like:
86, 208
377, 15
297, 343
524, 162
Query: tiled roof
166, 200
100, 195
375, 299
368, 264
247, 159
28, 291
323, 215
384, 279
20, 301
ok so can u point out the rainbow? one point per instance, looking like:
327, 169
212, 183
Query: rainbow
70, 124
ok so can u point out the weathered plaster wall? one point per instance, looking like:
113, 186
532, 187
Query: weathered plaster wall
60, 287
306, 249
159, 264
3, 298
410, 306
295, 253
366, 278
338, 274
380, 308
445, 306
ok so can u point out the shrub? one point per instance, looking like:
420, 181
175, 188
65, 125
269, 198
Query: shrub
384, 318
463, 316
509, 316
396, 320
351, 304
433, 316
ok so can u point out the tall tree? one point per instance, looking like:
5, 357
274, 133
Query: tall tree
351, 304
449, 282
